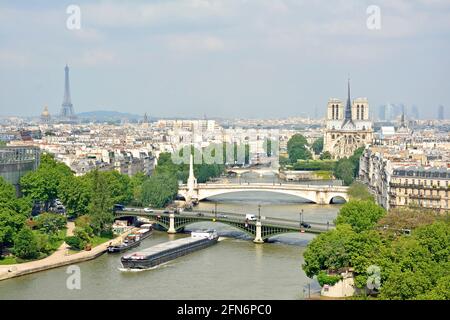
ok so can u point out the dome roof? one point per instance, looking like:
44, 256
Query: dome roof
45, 113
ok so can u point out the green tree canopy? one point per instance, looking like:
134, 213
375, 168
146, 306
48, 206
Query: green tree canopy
325, 155
344, 171
361, 215
75, 193
317, 146
159, 190
43, 184
100, 206
25, 244
359, 191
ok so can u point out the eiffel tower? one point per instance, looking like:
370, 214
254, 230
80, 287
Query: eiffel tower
67, 112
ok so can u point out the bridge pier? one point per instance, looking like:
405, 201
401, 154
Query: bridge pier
258, 237
171, 229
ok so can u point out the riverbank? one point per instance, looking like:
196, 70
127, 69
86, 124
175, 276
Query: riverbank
59, 258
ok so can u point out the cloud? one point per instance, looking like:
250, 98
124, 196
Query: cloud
97, 57
14, 59
195, 43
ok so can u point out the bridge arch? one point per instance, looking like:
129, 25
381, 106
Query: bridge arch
337, 199
205, 194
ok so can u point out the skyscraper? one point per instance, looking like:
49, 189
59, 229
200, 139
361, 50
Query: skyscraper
382, 112
67, 112
441, 112
415, 112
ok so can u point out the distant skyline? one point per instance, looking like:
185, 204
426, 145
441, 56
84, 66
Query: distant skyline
223, 58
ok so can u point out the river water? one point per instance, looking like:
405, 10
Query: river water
235, 268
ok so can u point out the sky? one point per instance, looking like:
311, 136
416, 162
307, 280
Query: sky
224, 58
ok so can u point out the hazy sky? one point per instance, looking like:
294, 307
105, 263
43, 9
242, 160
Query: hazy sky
224, 58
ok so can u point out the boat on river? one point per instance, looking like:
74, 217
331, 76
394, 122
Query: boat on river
167, 251
132, 240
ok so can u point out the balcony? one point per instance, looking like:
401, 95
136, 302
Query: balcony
424, 197
418, 186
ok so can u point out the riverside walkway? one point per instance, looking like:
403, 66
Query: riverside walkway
59, 258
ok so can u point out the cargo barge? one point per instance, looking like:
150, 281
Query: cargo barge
133, 239
167, 251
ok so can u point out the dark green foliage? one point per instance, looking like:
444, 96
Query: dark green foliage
50, 223
317, 146
100, 207
359, 191
314, 165
324, 278
75, 242
25, 244
43, 184
325, 155
159, 190
297, 150
412, 266
75, 193
361, 215
344, 171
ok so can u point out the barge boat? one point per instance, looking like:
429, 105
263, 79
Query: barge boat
167, 251
132, 240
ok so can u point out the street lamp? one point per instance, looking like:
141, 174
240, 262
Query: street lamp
301, 217
215, 209
259, 212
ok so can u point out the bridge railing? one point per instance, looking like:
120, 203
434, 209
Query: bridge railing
230, 216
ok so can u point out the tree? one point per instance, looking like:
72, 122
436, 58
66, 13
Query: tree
297, 140
50, 223
9, 200
325, 155
355, 160
317, 146
299, 153
25, 244
100, 206
328, 251
344, 170
10, 223
361, 215
159, 190
74, 242
43, 184
75, 193
296, 148
359, 191
136, 183
118, 185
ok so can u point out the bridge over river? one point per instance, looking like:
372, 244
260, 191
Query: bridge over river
320, 194
261, 229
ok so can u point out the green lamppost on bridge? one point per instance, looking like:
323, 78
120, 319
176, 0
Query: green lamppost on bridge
259, 212
215, 210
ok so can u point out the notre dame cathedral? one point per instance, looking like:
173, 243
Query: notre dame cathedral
347, 128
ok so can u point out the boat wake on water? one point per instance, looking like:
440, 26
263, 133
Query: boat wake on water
162, 265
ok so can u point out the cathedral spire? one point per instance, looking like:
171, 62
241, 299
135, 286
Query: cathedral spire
348, 107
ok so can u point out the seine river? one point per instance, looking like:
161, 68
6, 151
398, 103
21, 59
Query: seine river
235, 268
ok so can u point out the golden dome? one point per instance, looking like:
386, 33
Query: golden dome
45, 113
